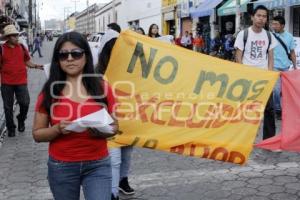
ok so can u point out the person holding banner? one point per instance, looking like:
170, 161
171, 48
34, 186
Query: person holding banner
284, 56
254, 47
140, 30
73, 91
120, 157
153, 31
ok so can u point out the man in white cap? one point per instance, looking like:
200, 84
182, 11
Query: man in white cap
14, 58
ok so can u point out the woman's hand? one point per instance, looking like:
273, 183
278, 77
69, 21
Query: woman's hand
61, 127
96, 133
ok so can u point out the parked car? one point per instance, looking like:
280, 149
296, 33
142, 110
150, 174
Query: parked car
57, 33
94, 39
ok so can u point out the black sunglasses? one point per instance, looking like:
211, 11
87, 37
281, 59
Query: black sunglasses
75, 53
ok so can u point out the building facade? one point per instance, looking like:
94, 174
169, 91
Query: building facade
109, 13
71, 22
143, 13
183, 13
85, 20
170, 22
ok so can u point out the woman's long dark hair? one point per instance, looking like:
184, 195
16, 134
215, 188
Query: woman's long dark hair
91, 83
150, 31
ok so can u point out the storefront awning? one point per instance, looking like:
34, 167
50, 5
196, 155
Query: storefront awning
271, 4
229, 8
204, 9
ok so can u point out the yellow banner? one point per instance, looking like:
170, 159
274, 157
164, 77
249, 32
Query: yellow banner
176, 100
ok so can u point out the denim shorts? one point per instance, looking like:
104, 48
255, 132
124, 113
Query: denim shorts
65, 179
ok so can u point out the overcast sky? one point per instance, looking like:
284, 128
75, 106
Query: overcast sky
50, 9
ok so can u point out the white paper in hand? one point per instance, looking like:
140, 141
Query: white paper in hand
99, 120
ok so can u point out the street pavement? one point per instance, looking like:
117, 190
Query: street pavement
154, 175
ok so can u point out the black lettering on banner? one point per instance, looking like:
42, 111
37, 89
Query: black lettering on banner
139, 53
244, 84
212, 78
258, 88
160, 64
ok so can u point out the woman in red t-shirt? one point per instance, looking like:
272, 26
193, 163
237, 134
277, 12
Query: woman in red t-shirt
72, 91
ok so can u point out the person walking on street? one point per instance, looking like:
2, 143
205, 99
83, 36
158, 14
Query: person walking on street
254, 47
14, 58
284, 57
37, 43
120, 156
75, 158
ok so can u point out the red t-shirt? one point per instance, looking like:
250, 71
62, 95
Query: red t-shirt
13, 71
75, 147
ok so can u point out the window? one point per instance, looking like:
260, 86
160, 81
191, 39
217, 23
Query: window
296, 22
103, 25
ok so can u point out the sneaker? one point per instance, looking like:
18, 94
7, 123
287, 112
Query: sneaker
124, 187
21, 125
11, 133
113, 197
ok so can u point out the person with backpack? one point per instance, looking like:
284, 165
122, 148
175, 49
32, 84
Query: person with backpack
254, 47
284, 57
14, 58
120, 156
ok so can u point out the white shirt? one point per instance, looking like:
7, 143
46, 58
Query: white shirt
256, 48
186, 40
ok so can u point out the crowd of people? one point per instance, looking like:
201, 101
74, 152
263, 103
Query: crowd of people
84, 159
220, 46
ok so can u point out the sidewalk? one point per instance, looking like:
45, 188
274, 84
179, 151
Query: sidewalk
23, 168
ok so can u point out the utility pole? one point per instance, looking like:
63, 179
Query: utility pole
238, 16
35, 13
88, 16
75, 2
66, 9
30, 13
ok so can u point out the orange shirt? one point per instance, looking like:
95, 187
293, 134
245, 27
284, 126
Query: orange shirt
198, 42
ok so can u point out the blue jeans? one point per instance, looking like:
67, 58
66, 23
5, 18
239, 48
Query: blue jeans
120, 161
277, 91
65, 179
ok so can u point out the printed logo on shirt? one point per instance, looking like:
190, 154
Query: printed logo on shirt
256, 49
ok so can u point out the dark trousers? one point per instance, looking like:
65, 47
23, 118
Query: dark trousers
269, 128
36, 49
22, 95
